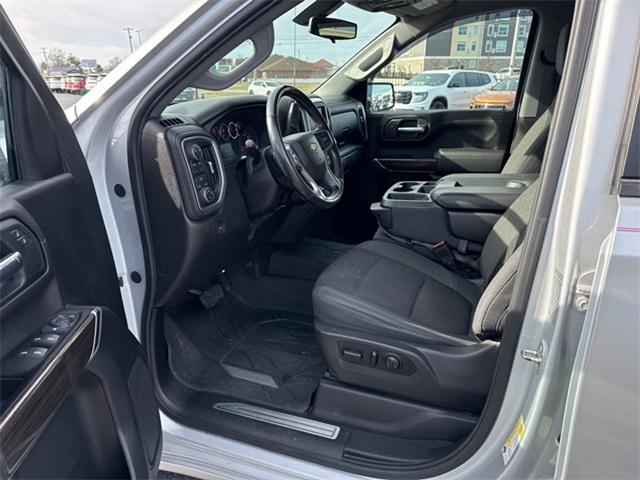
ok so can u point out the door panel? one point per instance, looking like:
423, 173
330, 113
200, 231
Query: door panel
77, 400
419, 146
471, 140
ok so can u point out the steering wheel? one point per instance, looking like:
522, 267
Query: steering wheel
310, 161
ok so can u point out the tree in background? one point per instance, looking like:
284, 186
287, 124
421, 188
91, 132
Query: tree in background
73, 61
56, 57
113, 63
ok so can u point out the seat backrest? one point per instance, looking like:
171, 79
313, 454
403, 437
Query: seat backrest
499, 262
507, 233
526, 157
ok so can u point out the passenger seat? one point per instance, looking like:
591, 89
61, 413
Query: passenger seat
526, 157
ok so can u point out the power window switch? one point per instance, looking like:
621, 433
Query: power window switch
32, 352
24, 362
47, 340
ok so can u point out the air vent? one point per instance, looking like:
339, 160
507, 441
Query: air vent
169, 122
363, 121
324, 111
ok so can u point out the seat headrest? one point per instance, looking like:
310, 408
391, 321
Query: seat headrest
561, 48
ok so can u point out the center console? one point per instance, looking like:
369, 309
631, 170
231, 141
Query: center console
457, 207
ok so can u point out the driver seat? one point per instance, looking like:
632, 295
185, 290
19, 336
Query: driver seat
390, 319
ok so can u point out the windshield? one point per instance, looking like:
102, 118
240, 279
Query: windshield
428, 80
507, 85
298, 58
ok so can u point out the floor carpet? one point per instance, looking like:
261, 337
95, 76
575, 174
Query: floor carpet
265, 357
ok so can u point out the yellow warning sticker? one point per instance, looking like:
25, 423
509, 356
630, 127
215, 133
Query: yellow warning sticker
513, 441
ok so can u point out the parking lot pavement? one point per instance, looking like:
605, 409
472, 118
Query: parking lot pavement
66, 99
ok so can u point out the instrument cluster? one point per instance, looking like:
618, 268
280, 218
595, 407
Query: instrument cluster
235, 133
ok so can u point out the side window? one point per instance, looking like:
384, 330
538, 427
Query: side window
458, 81
7, 166
477, 53
472, 80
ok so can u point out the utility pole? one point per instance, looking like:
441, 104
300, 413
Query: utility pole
139, 38
295, 25
46, 57
129, 36
514, 44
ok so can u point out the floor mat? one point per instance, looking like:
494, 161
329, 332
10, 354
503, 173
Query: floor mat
306, 259
260, 356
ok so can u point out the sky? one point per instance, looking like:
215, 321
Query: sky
95, 28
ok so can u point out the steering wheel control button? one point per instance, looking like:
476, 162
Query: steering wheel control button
45, 340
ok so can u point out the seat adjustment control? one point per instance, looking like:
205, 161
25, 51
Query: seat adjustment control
392, 362
351, 354
371, 356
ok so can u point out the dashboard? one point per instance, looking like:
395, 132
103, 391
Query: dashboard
211, 190
239, 132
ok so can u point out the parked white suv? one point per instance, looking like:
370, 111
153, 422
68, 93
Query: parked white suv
262, 87
440, 89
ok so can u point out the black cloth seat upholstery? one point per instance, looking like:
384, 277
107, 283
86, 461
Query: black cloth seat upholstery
389, 319
382, 300
385, 286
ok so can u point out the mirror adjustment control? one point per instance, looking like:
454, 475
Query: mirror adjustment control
64, 320
47, 340
58, 330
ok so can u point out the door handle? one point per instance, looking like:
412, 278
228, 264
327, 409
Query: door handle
10, 265
417, 129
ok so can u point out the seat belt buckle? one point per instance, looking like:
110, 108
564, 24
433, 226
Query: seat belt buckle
444, 253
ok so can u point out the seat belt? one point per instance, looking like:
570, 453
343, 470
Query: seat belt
441, 253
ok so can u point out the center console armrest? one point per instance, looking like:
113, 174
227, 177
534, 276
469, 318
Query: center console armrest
457, 207
480, 192
469, 159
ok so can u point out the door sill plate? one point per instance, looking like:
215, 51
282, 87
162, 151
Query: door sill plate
259, 414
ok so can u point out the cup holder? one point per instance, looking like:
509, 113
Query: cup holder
406, 187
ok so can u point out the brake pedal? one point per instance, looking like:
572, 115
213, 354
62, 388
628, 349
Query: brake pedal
211, 296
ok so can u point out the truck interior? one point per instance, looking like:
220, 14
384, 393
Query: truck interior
332, 280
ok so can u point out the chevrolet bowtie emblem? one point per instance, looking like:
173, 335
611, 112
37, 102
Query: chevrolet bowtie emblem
313, 146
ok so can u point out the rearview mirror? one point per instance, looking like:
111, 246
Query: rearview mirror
332, 28
380, 96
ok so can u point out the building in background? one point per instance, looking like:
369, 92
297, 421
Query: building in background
286, 67
89, 64
484, 42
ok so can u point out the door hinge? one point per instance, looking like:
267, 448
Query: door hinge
534, 356
583, 291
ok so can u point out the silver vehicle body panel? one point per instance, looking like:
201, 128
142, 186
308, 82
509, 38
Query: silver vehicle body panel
579, 234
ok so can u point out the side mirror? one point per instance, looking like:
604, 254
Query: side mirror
380, 96
454, 85
332, 28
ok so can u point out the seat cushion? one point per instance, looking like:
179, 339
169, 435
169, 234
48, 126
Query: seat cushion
383, 287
